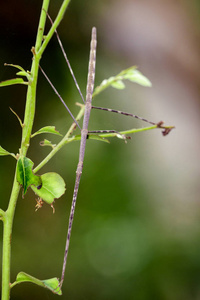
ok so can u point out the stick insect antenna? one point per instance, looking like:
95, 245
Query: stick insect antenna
124, 113
84, 134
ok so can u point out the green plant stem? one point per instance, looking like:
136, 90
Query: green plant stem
37, 54
7, 234
54, 26
134, 130
31, 92
26, 132
8, 216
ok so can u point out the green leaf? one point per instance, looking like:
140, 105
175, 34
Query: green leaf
15, 66
13, 81
53, 186
118, 85
47, 143
51, 284
131, 74
25, 175
5, 152
137, 77
22, 72
47, 129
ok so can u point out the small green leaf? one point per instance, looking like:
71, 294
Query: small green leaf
25, 175
15, 66
22, 72
47, 129
137, 77
13, 81
53, 186
118, 84
5, 152
52, 284
47, 143
131, 74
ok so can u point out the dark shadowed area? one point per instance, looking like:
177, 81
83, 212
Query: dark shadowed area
136, 232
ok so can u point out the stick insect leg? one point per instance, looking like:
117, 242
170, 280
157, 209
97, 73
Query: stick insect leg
59, 96
123, 136
124, 113
65, 56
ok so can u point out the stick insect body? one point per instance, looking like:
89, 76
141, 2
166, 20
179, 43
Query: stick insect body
84, 130
84, 134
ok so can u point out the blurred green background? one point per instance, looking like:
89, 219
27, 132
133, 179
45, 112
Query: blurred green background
136, 232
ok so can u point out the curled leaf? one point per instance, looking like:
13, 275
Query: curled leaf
25, 175
52, 284
52, 187
47, 143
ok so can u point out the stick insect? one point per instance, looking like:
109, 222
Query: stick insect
84, 130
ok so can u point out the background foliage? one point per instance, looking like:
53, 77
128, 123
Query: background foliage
136, 230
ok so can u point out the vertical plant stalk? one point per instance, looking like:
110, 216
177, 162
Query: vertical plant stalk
7, 236
8, 216
31, 92
28, 121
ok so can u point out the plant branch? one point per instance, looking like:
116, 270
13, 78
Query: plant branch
31, 92
134, 130
54, 26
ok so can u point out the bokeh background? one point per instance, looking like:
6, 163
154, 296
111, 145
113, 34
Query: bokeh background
136, 233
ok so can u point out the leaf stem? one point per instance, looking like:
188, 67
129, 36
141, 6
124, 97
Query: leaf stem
134, 130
